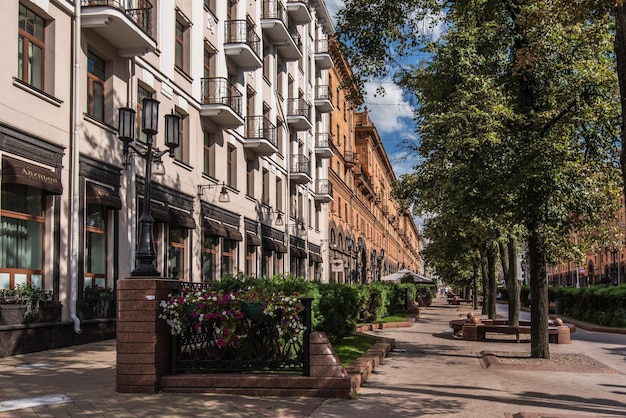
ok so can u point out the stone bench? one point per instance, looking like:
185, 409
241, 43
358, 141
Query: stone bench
558, 333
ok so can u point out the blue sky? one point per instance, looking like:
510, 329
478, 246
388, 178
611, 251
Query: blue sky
391, 113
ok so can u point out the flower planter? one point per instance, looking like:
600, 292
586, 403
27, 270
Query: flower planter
85, 311
254, 311
14, 314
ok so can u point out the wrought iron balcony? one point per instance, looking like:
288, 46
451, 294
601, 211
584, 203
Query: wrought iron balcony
260, 135
126, 24
277, 26
299, 11
323, 191
221, 102
322, 55
299, 114
324, 99
324, 145
299, 169
242, 44
350, 158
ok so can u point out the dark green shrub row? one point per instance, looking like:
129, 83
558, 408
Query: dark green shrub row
599, 305
338, 308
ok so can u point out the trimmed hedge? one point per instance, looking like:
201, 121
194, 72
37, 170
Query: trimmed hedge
337, 307
600, 305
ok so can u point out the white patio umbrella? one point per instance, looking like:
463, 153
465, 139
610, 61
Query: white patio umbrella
398, 275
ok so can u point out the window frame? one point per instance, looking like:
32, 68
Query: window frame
27, 39
93, 79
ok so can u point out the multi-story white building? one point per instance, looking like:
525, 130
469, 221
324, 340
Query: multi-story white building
248, 80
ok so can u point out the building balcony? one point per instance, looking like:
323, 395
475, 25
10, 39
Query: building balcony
275, 24
260, 135
127, 25
299, 11
323, 191
324, 99
350, 158
221, 102
323, 60
364, 182
324, 146
299, 114
299, 169
242, 45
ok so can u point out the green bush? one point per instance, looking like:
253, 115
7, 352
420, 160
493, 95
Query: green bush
599, 305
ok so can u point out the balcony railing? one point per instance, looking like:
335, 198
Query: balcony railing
238, 31
260, 127
351, 158
300, 164
137, 11
323, 140
323, 186
275, 9
298, 107
220, 90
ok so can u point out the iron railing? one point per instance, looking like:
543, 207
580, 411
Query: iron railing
259, 347
260, 127
138, 11
238, 31
220, 90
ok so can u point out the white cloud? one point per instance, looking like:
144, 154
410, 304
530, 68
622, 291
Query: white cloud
390, 112
333, 7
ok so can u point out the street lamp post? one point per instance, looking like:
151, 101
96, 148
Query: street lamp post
146, 253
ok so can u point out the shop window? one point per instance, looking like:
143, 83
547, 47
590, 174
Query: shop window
229, 249
209, 257
21, 236
95, 246
176, 252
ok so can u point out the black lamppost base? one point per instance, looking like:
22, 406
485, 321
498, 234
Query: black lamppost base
145, 270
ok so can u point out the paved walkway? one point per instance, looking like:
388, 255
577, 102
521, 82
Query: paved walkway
429, 373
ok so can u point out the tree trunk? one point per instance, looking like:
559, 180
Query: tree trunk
475, 301
513, 285
492, 255
620, 55
539, 343
485, 278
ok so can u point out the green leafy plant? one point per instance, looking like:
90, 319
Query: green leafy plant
24, 294
99, 299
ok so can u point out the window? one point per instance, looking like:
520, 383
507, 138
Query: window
182, 152
265, 197
280, 133
266, 63
266, 263
229, 249
31, 48
209, 256
95, 86
181, 55
208, 61
210, 5
279, 194
250, 178
21, 243
176, 252
250, 260
209, 154
278, 262
231, 166
141, 94
95, 246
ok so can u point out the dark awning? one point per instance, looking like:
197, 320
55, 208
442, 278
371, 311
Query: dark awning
280, 247
182, 219
269, 244
159, 213
252, 239
214, 228
100, 195
21, 172
233, 234
315, 258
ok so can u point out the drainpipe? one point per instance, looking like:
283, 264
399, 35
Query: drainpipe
75, 172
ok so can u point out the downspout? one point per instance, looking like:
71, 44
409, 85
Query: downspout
75, 172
